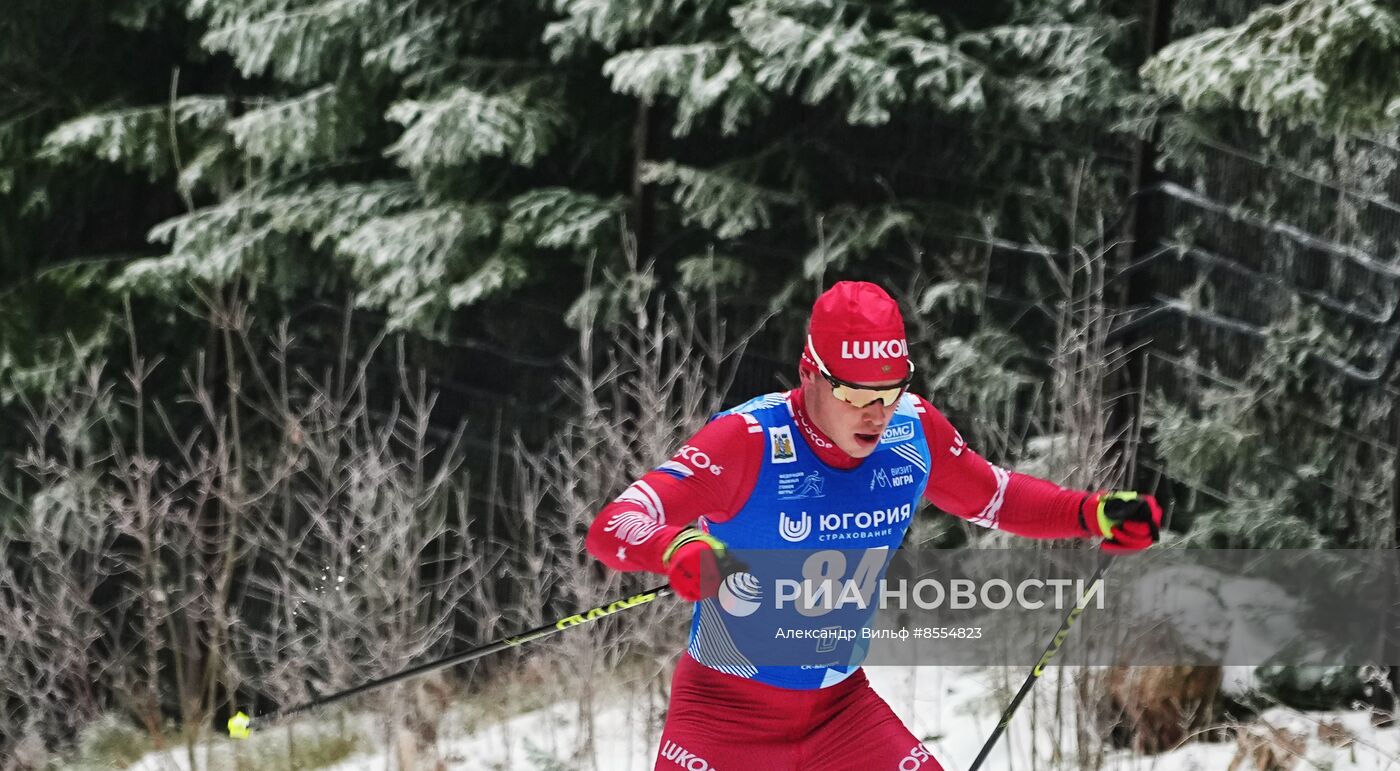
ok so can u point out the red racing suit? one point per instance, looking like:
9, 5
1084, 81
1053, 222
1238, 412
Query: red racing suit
720, 721
631, 532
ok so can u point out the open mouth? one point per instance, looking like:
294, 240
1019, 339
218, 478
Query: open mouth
867, 438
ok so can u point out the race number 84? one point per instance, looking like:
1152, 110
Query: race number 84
824, 586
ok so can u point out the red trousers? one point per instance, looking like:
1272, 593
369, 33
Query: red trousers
719, 722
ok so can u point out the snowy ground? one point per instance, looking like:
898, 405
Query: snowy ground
953, 708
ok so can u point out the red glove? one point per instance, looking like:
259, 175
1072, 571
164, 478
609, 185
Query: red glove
1126, 521
693, 564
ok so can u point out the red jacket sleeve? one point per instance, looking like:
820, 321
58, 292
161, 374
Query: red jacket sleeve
711, 475
964, 484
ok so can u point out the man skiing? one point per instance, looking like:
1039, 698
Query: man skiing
851, 435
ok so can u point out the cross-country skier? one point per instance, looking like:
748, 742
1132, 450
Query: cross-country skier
849, 425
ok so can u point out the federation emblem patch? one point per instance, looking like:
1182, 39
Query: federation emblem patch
780, 442
794, 485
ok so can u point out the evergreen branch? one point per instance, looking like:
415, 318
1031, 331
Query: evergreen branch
1360, 257
698, 75
1327, 62
466, 125
406, 262
668, 69
411, 49
1198, 135
136, 137
314, 126
42, 273
217, 243
815, 62
1059, 47
1048, 70
555, 218
849, 233
495, 275
609, 24
716, 201
293, 45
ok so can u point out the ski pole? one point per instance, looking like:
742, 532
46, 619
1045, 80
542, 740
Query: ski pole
1050, 650
240, 724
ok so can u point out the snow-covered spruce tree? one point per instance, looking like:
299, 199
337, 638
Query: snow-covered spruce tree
771, 118
1278, 147
395, 149
1273, 398
64, 232
425, 155
1328, 63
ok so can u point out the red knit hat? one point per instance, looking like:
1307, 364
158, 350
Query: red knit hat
857, 333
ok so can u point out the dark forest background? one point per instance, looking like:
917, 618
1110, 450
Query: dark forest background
285, 280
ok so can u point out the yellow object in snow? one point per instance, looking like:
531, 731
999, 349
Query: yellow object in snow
238, 726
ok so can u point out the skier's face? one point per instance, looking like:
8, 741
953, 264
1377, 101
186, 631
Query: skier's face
855, 430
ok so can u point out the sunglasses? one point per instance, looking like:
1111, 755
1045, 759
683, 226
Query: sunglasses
862, 396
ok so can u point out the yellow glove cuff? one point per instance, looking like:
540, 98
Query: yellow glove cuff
1106, 524
691, 535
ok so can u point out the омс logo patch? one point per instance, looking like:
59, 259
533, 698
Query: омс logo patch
900, 433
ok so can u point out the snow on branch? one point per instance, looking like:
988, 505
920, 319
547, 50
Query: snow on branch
557, 217
1329, 62
314, 126
714, 200
465, 125
137, 138
698, 75
403, 263
292, 45
216, 243
816, 62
